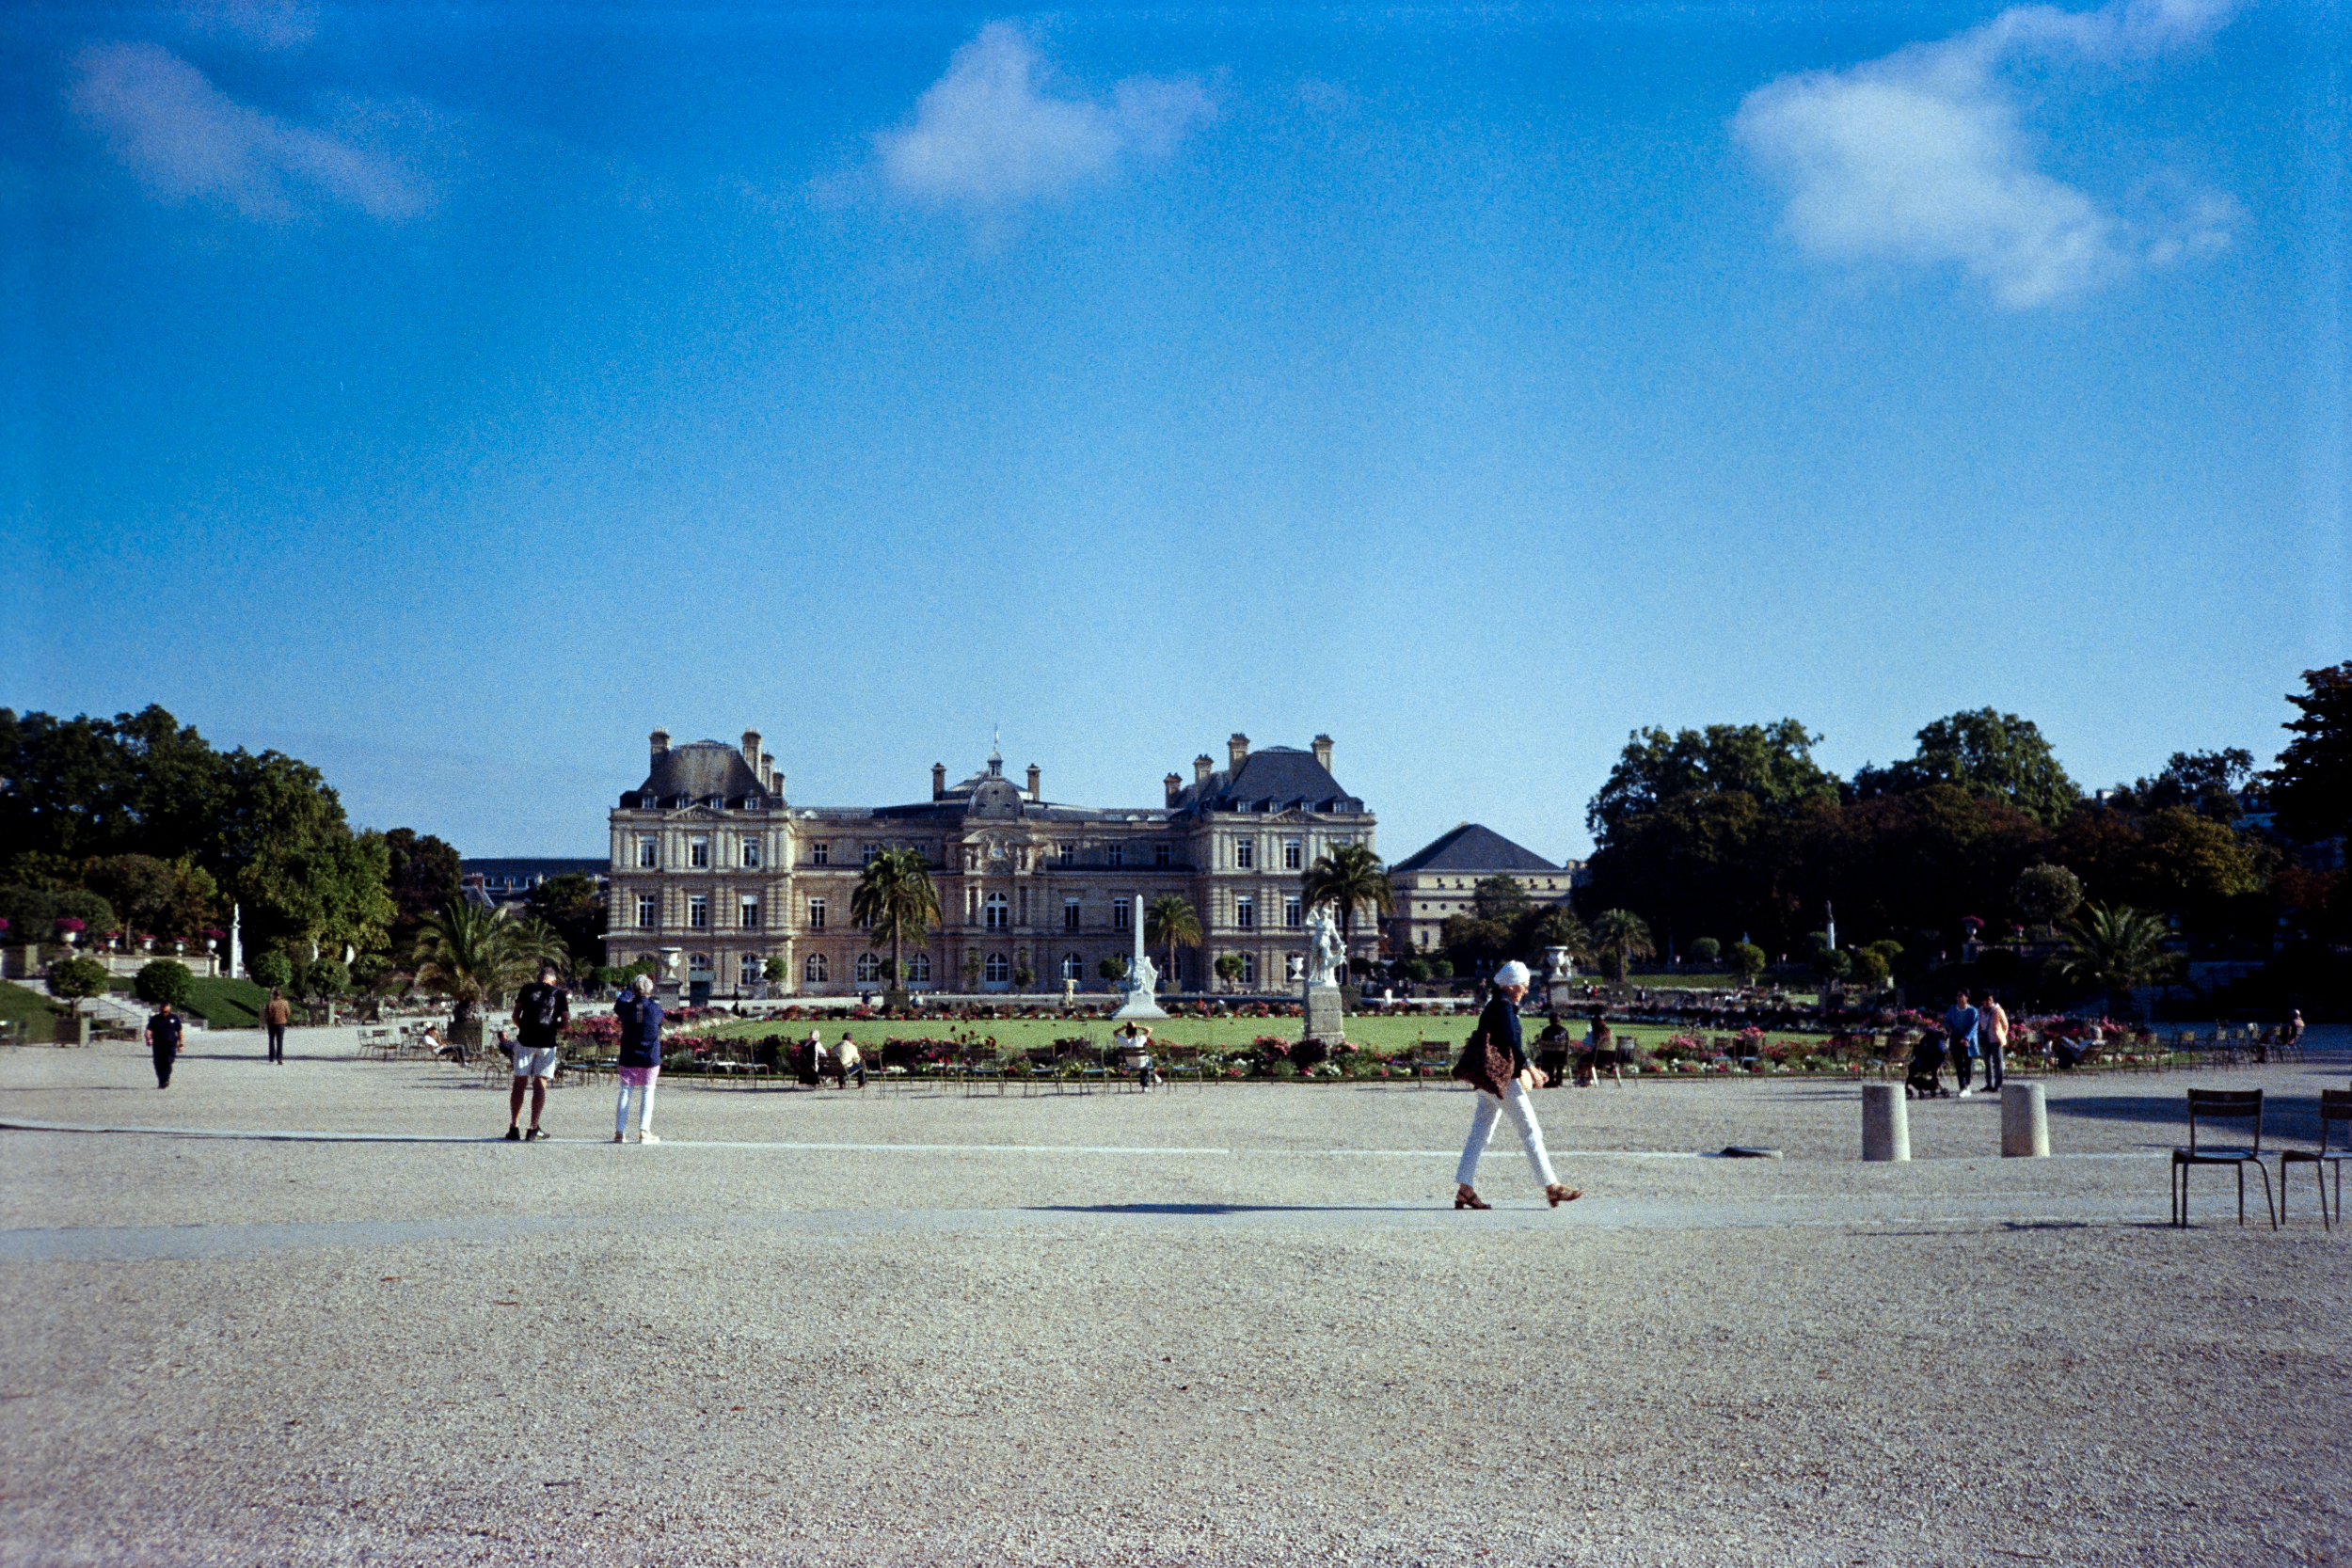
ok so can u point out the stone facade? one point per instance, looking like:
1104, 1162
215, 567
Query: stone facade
710, 858
1442, 878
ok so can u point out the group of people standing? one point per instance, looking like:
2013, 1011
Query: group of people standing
1971, 1036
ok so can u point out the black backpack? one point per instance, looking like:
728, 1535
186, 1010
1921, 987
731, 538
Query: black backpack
546, 1009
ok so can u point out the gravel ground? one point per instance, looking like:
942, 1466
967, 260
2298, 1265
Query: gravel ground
1231, 1325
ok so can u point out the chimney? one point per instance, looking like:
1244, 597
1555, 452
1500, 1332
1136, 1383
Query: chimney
1033, 778
1174, 783
1237, 750
1323, 752
767, 774
939, 780
660, 741
1201, 768
751, 751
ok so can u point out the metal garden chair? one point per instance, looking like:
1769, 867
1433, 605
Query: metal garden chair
2335, 1105
2222, 1105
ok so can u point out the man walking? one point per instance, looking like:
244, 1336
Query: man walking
1959, 1022
1993, 1037
541, 1010
274, 1015
162, 1039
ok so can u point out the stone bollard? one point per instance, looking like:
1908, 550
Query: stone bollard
2025, 1122
1886, 1122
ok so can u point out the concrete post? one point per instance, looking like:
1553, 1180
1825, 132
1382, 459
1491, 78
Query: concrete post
1886, 1122
2025, 1122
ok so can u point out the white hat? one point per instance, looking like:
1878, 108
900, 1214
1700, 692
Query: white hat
1512, 973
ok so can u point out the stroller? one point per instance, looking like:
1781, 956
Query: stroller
1927, 1060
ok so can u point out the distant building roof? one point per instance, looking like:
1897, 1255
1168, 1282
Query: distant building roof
1473, 847
1276, 778
698, 770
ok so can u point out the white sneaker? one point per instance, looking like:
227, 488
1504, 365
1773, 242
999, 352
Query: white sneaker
647, 1139
1965, 1093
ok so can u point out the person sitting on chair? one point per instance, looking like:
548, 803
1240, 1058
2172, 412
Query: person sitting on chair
1551, 1051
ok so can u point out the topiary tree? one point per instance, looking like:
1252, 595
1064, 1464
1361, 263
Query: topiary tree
272, 969
166, 980
1871, 968
1707, 950
2046, 894
1228, 967
77, 979
775, 970
1747, 959
321, 980
1113, 968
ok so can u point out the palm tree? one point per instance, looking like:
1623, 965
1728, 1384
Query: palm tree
1625, 934
1170, 923
1560, 928
897, 899
1346, 878
2116, 946
470, 954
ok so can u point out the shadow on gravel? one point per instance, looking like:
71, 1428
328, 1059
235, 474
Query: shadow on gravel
2292, 1118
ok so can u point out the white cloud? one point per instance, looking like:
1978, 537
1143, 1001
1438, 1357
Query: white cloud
1921, 157
986, 135
185, 139
266, 24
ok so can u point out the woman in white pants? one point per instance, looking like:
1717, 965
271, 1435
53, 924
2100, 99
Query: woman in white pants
1495, 1064
639, 1065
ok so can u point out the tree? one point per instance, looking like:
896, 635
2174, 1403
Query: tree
1871, 967
142, 889
1229, 967
1500, 898
1984, 753
2310, 787
1475, 944
2207, 783
1349, 876
470, 955
77, 978
272, 969
164, 980
1705, 950
1623, 935
321, 980
570, 905
1771, 764
1553, 927
422, 875
776, 970
2045, 893
895, 899
2115, 947
1747, 960
1171, 923
1113, 969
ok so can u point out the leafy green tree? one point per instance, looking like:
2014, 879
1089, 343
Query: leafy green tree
1229, 967
571, 906
1115, 968
272, 969
1417, 970
776, 970
1499, 898
1551, 926
1442, 968
142, 889
1705, 950
164, 980
1984, 753
1871, 967
2117, 947
1771, 764
1625, 935
1349, 878
321, 980
33, 912
2171, 858
2311, 785
1747, 960
1170, 923
423, 873
1475, 945
77, 978
2046, 893
894, 897
1832, 963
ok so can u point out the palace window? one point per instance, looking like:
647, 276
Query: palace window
919, 970
820, 854
1245, 854
816, 914
1250, 968
751, 852
648, 852
1067, 853
1122, 915
751, 914
998, 970
1069, 914
1115, 854
998, 909
1294, 915
1072, 967
814, 971
1163, 854
868, 968
1294, 854
866, 853
753, 971
1245, 912
648, 909
698, 850
698, 911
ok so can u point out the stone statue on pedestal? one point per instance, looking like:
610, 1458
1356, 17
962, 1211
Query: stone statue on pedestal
1143, 978
1325, 1026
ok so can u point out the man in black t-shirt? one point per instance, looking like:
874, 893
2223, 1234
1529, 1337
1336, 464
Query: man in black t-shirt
162, 1039
541, 1010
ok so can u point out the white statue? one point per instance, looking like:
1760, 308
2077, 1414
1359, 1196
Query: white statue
1326, 951
1143, 978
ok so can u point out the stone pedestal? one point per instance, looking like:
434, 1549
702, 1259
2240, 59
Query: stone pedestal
1325, 1023
1886, 1122
2025, 1122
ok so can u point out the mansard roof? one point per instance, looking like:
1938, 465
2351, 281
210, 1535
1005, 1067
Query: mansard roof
1473, 847
1277, 777
698, 770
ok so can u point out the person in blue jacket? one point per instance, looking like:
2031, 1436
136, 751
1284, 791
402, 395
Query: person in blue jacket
640, 1065
1959, 1022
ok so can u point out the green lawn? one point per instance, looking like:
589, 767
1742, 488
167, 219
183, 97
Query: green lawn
230, 1004
21, 1006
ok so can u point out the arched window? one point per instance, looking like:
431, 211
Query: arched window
814, 971
868, 968
999, 969
919, 970
1070, 968
997, 912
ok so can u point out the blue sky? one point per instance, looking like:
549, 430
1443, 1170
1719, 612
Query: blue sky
451, 395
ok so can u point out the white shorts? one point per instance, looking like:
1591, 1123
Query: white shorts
535, 1064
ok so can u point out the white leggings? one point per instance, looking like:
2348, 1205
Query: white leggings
645, 1109
1482, 1127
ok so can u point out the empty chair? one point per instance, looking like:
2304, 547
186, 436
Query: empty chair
2335, 1105
2222, 1105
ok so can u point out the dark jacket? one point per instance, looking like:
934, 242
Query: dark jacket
1494, 1055
641, 1034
